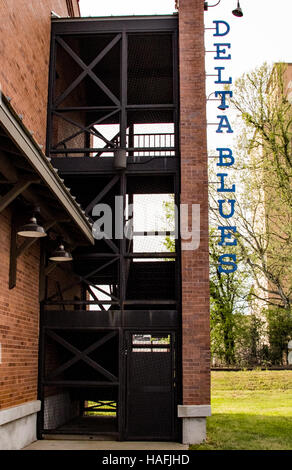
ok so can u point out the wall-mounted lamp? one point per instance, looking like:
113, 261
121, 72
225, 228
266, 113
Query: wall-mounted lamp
237, 12
223, 106
60, 254
206, 5
32, 229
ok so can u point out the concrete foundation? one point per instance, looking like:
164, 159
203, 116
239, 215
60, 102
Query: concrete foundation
18, 425
194, 422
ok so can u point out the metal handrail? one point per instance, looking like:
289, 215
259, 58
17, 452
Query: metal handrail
139, 142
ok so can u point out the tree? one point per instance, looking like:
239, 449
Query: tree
228, 305
279, 333
261, 98
228, 294
264, 172
263, 216
168, 206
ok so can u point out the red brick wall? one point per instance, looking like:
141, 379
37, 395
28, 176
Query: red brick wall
19, 322
194, 190
19, 319
73, 8
25, 48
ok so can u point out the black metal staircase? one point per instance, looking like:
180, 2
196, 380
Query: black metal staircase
109, 77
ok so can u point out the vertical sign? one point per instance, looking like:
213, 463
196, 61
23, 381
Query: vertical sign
226, 206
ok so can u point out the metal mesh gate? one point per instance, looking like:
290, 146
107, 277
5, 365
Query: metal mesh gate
150, 386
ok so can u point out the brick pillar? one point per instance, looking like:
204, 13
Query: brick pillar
194, 190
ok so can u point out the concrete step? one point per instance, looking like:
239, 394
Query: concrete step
79, 437
58, 444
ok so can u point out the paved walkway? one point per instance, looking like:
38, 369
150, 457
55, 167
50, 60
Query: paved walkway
103, 445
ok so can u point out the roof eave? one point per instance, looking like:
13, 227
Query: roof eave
33, 153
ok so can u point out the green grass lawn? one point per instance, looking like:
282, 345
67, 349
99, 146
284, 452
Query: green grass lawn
251, 410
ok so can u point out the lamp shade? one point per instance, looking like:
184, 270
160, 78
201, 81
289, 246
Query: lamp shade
60, 254
32, 229
237, 11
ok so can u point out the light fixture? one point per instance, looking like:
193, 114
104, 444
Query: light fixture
120, 159
223, 106
237, 11
60, 254
32, 229
206, 6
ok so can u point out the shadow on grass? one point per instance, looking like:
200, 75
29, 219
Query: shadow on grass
244, 431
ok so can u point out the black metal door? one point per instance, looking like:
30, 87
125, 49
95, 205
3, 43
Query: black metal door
150, 394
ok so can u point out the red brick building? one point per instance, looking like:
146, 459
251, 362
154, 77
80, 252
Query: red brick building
100, 110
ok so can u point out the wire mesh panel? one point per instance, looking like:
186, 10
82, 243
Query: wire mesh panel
150, 409
81, 379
